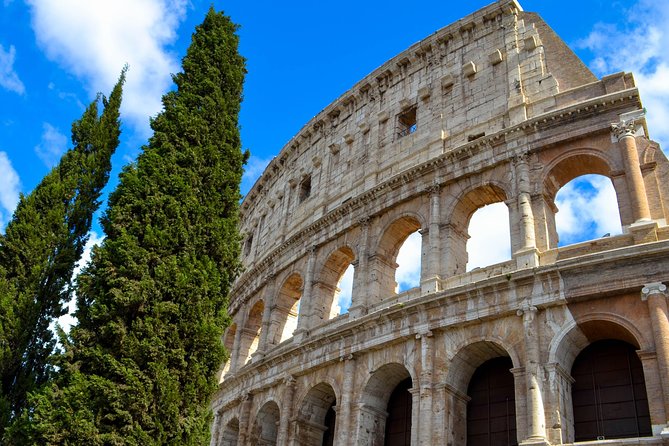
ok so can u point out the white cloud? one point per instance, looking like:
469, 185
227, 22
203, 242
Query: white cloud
8, 77
490, 240
641, 46
407, 274
345, 286
588, 209
10, 187
53, 145
95, 39
252, 171
67, 320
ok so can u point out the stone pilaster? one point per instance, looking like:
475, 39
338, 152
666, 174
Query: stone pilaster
655, 294
244, 418
536, 420
286, 410
625, 131
266, 318
234, 355
432, 269
344, 407
426, 388
304, 319
527, 254
360, 289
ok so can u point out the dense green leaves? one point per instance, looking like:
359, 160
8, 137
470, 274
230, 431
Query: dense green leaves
141, 363
40, 248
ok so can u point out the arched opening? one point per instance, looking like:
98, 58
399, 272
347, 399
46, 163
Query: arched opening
344, 292
284, 315
407, 274
317, 417
230, 433
228, 343
398, 422
385, 396
589, 189
464, 256
251, 335
326, 291
489, 236
491, 410
265, 429
385, 263
588, 209
609, 393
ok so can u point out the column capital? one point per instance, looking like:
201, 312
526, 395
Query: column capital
527, 311
433, 189
627, 124
653, 288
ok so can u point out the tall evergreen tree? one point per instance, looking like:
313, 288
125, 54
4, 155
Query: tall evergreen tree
141, 365
40, 248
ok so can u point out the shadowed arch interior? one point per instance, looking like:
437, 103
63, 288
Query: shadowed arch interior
265, 428
230, 434
251, 335
316, 416
284, 314
325, 291
384, 260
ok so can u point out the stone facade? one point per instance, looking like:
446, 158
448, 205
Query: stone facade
493, 108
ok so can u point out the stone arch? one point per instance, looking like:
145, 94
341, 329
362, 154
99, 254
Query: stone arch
316, 415
457, 234
266, 425
383, 261
283, 319
462, 368
564, 169
374, 401
324, 290
250, 336
230, 433
575, 337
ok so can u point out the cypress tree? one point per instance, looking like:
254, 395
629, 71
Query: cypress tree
40, 249
141, 363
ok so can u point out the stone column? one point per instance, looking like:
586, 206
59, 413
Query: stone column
244, 418
426, 388
216, 431
624, 132
432, 269
360, 289
656, 296
536, 422
526, 256
415, 416
304, 319
344, 407
286, 410
269, 300
234, 354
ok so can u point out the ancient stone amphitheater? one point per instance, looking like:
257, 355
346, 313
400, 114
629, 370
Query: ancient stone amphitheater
557, 345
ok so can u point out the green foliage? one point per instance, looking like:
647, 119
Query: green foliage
40, 248
141, 365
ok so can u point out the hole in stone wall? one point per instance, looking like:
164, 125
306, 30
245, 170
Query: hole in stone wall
490, 240
406, 122
407, 274
305, 188
588, 210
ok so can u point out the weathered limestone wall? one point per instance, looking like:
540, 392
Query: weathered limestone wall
493, 108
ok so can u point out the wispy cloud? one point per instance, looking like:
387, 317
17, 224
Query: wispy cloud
640, 45
9, 80
52, 146
588, 209
252, 171
94, 40
10, 187
490, 240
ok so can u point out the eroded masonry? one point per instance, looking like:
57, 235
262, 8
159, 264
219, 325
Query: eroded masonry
557, 345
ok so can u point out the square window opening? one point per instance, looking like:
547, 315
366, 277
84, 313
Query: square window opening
305, 188
406, 122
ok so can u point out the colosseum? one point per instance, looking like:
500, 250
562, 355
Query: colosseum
555, 345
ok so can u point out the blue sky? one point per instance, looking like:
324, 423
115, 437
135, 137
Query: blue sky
56, 54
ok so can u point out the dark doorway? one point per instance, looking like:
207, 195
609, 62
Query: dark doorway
491, 412
398, 423
330, 418
609, 393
